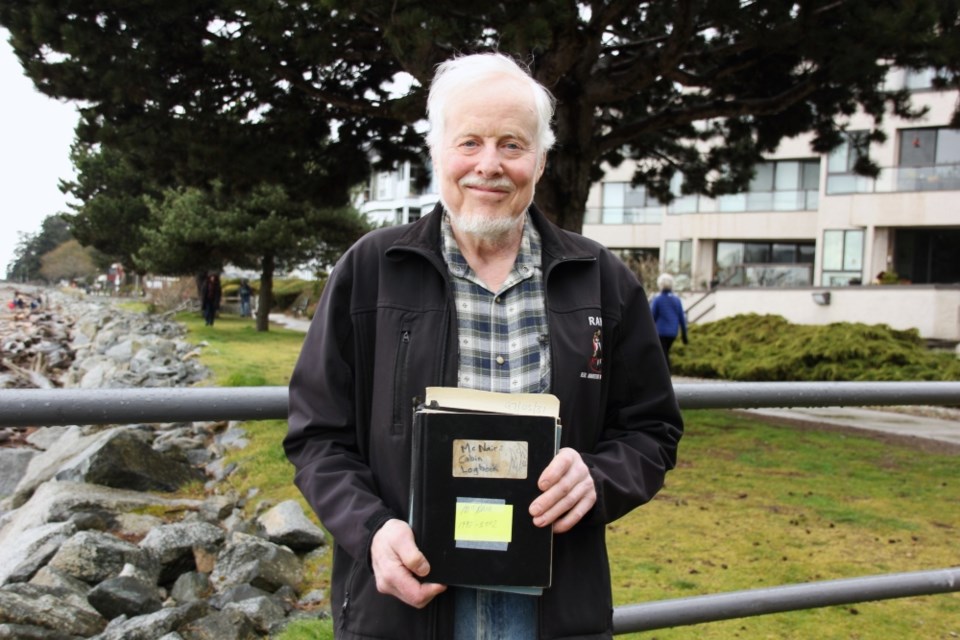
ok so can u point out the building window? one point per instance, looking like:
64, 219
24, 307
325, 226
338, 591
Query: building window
919, 79
626, 204
929, 160
841, 161
678, 261
842, 257
765, 264
384, 185
781, 185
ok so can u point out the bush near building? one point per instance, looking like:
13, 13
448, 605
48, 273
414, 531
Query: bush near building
768, 348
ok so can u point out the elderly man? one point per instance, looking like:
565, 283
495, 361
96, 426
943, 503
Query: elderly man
485, 293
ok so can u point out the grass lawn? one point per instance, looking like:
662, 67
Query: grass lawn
750, 505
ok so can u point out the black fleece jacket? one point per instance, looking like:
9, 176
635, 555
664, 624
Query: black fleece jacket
385, 330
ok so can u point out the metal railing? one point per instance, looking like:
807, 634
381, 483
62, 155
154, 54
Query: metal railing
48, 407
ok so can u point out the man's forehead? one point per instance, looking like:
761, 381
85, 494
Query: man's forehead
489, 108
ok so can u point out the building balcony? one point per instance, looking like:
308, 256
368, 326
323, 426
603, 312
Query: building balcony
940, 177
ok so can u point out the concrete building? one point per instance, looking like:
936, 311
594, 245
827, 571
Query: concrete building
807, 241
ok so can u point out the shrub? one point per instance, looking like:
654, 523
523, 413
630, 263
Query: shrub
767, 348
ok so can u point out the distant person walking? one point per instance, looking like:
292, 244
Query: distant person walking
210, 298
245, 293
668, 314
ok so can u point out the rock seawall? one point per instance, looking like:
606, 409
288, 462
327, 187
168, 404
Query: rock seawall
92, 543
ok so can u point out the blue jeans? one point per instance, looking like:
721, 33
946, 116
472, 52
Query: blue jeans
493, 615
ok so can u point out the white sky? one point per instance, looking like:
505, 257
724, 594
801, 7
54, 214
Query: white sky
35, 137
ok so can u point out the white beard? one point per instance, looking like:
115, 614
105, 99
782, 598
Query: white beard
483, 227
486, 228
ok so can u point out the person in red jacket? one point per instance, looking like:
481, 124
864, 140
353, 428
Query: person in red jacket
483, 292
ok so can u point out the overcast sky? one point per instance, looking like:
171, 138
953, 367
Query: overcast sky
35, 137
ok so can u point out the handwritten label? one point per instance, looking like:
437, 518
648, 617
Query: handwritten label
483, 522
490, 459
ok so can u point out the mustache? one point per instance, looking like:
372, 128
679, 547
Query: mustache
497, 183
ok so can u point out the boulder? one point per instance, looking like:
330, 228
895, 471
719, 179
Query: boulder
27, 552
124, 595
286, 524
247, 559
118, 457
154, 625
176, 546
93, 556
13, 466
48, 612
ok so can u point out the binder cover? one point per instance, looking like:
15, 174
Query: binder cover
474, 475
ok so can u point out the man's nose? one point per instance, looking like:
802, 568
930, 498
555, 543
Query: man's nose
488, 161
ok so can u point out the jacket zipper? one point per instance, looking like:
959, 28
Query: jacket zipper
400, 377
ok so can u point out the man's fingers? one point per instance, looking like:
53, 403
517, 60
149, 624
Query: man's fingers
397, 561
568, 492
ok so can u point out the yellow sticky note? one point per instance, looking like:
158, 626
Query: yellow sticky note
483, 522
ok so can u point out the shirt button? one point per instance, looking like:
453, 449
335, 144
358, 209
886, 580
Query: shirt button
500, 360
497, 300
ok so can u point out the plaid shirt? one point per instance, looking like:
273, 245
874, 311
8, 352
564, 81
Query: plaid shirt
502, 336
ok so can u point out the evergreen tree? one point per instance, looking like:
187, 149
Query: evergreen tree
112, 210
194, 230
26, 264
252, 91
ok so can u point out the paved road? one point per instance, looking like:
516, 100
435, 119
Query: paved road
897, 424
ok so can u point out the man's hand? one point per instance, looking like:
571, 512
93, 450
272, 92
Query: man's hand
568, 492
397, 562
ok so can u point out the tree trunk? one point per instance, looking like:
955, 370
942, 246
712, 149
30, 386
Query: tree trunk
563, 190
265, 297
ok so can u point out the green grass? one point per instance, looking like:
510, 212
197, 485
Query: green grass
750, 505
239, 355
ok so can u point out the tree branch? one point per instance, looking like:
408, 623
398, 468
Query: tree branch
670, 117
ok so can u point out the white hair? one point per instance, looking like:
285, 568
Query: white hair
457, 73
665, 281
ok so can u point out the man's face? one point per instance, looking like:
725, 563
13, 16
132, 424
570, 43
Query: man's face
488, 162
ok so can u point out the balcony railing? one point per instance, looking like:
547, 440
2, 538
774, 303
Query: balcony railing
940, 177
47, 407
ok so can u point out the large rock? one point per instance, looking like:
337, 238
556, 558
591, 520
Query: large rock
263, 612
94, 556
114, 458
63, 501
124, 596
13, 466
221, 625
247, 559
154, 625
72, 595
286, 524
72, 590
177, 546
26, 553
44, 466
48, 612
